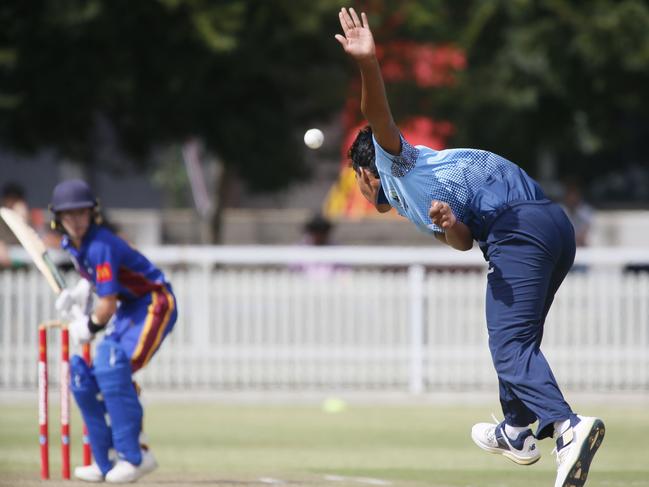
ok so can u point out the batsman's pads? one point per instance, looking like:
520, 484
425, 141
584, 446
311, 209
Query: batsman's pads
113, 373
93, 410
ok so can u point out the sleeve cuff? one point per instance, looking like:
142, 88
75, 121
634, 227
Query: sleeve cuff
94, 327
401, 164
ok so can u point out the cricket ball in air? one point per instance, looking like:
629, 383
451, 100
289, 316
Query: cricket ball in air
313, 138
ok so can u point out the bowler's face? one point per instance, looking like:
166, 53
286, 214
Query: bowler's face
76, 222
368, 184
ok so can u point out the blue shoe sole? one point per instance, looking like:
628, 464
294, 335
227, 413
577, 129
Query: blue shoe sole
579, 472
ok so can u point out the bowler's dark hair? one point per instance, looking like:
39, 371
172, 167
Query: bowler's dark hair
362, 151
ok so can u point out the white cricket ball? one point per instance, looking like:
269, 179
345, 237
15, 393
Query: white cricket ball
313, 138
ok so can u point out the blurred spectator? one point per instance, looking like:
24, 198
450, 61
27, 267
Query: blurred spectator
317, 231
12, 196
5, 260
578, 211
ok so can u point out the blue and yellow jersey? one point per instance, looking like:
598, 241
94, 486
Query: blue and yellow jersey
113, 265
476, 184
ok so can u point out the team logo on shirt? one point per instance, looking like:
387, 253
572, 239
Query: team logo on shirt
104, 272
395, 197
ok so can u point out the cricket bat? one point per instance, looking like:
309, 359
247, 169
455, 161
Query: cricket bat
35, 247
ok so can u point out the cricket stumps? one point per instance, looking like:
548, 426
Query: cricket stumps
64, 397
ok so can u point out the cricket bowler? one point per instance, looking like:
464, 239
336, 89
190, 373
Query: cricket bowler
136, 308
466, 195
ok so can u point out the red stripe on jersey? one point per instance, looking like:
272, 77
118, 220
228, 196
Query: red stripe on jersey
158, 315
136, 282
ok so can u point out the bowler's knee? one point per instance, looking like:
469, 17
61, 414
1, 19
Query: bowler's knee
512, 357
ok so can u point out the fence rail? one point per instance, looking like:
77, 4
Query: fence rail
367, 319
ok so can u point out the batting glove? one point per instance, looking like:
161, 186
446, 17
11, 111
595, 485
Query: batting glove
80, 295
64, 303
79, 331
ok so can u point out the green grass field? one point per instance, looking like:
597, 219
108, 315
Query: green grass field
215, 444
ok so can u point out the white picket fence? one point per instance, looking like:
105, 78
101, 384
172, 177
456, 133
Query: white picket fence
353, 318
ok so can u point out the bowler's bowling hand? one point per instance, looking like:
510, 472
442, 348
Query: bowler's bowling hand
441, 215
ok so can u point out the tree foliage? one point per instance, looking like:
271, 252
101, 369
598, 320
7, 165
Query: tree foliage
240, 74
564, 77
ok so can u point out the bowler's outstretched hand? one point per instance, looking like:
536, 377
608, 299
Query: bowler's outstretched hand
357, 41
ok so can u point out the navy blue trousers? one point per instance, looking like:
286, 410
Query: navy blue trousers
530, 248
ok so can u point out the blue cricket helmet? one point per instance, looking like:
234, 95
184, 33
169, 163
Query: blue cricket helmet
72, 194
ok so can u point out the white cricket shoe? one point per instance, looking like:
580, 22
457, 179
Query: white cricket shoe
575, 450
492, 438
89, 473
124, 472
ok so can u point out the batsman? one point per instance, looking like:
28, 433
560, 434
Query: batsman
135, 307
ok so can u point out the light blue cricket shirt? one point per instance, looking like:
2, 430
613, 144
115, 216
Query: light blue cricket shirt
476, 184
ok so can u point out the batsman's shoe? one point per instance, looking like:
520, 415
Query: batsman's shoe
89, 473
575, 450
492, 438
124, 472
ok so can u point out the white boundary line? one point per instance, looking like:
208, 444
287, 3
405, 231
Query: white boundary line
360, 480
